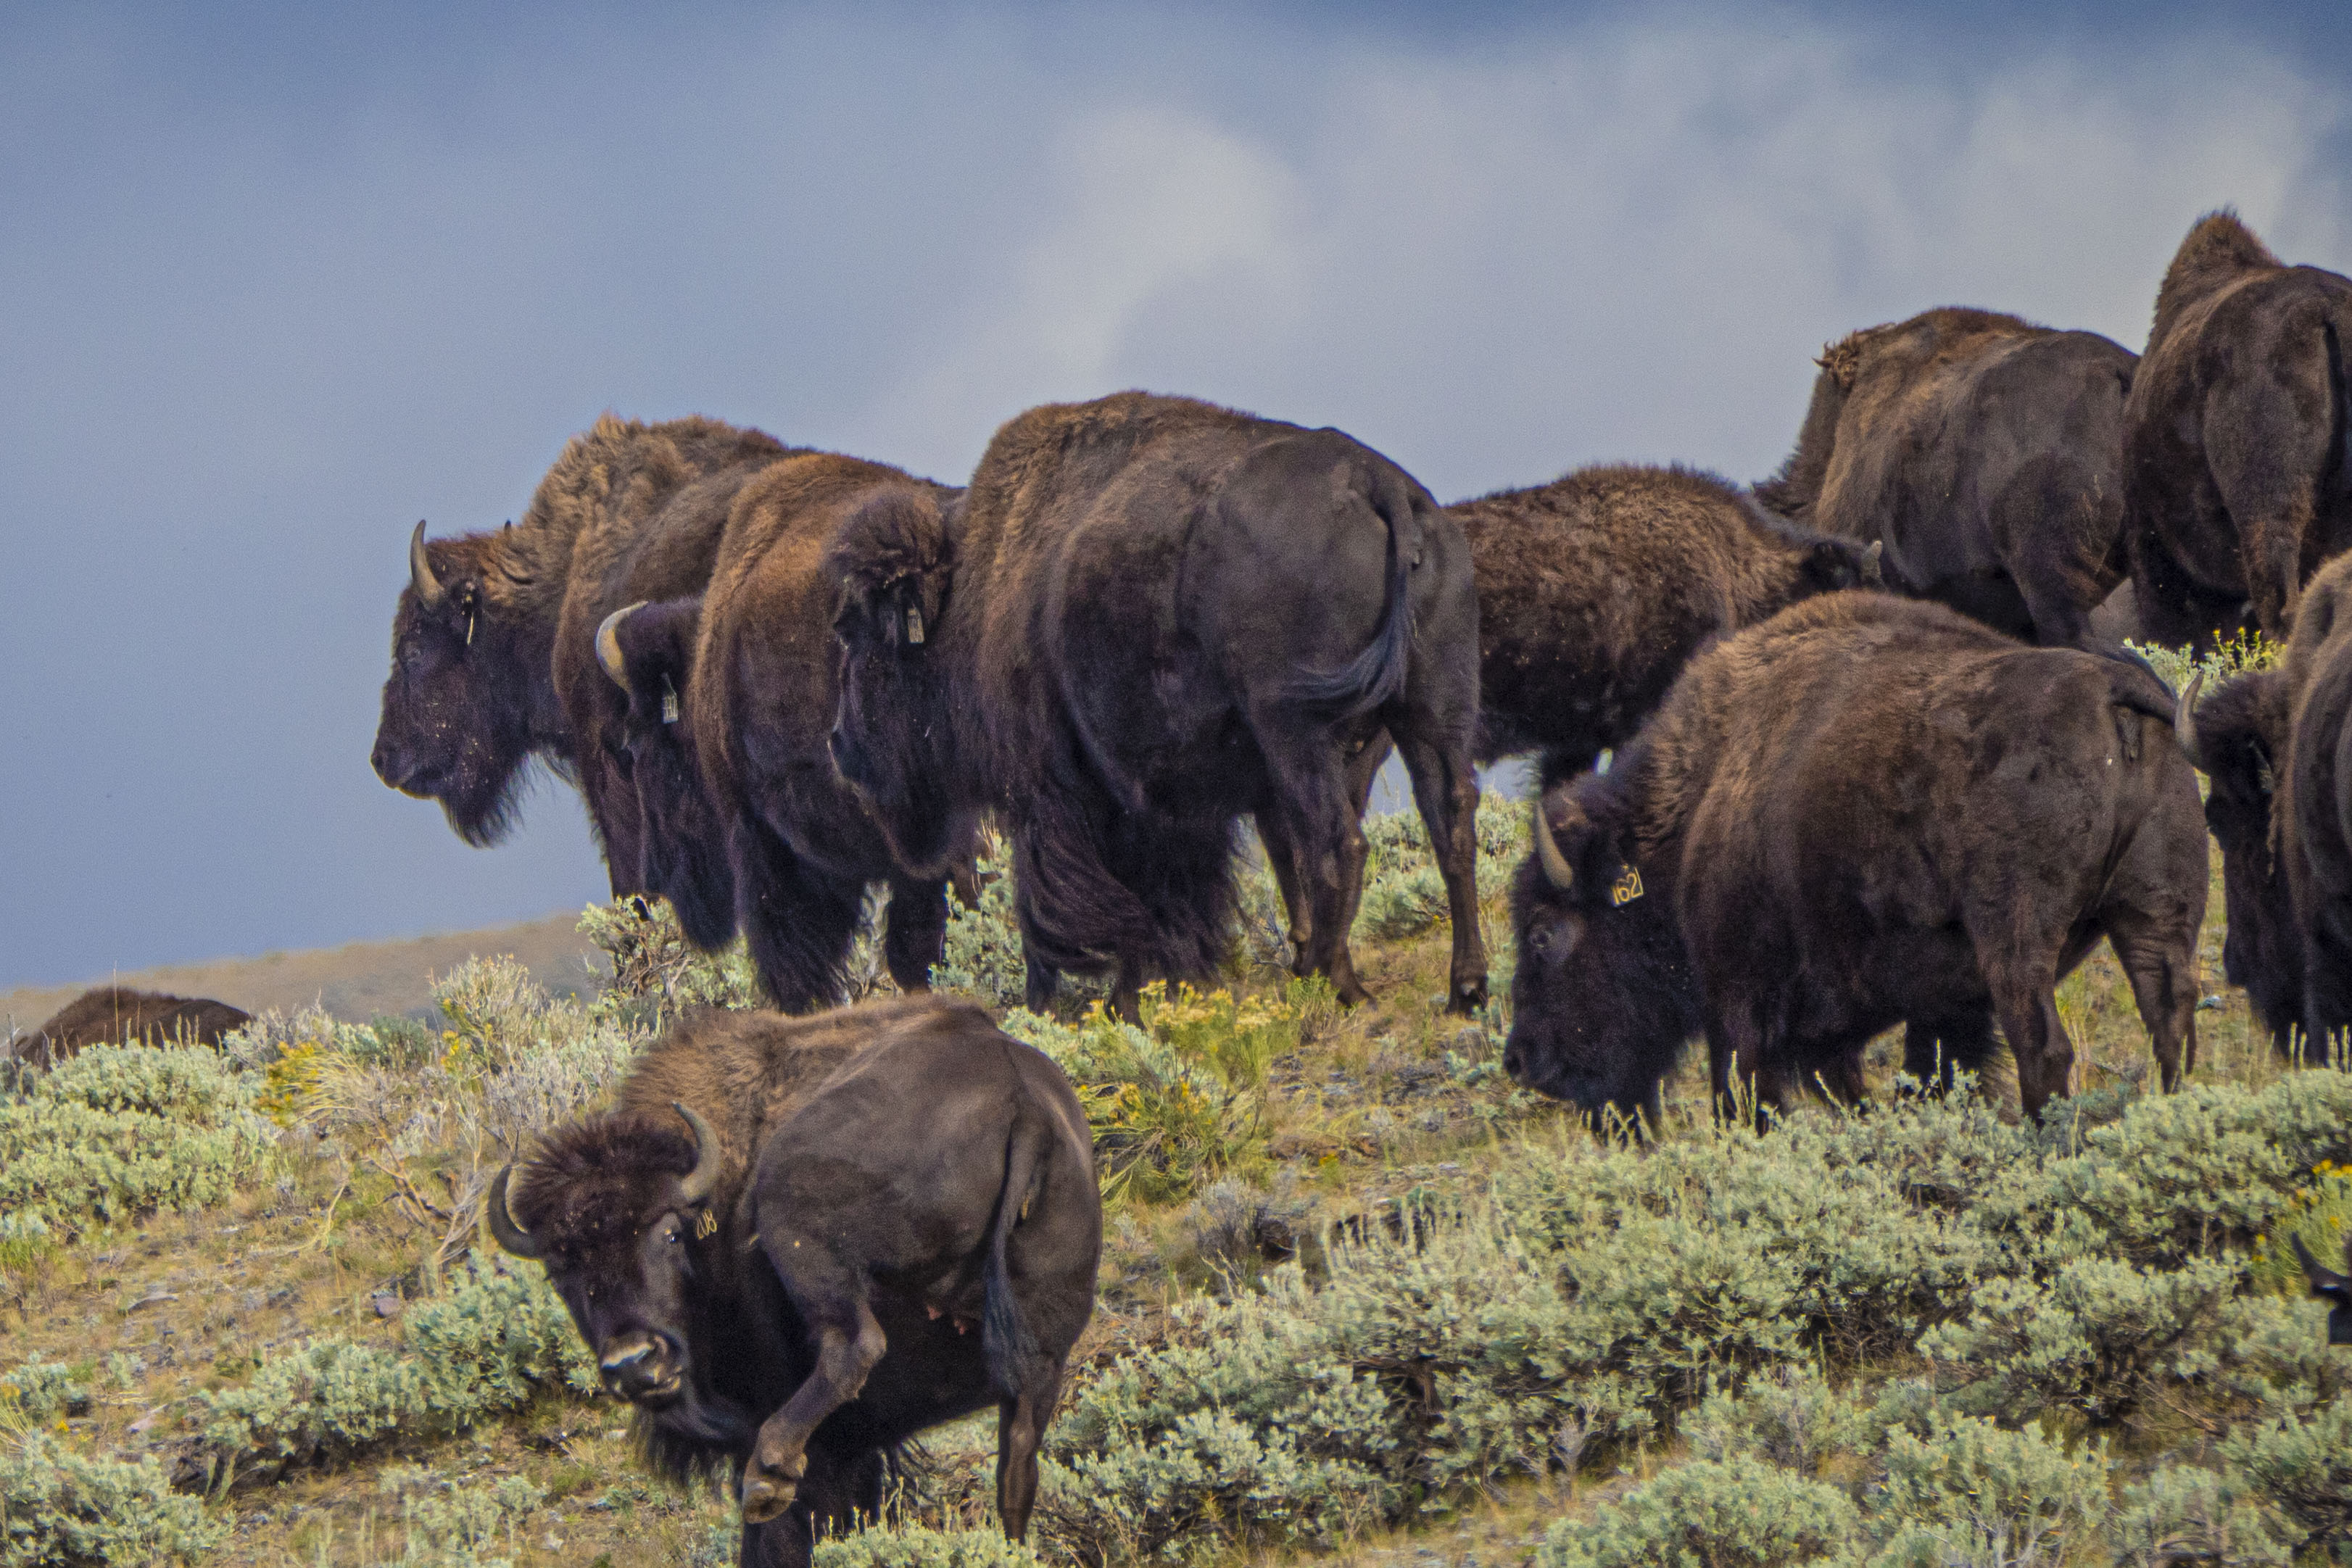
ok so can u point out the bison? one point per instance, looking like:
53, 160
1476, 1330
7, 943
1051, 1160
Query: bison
794, 1243
117, 1015
492, 662
2277, 744
1865, 811
1984, 450
2237, 438
1146, 616
731, 704
1594, 590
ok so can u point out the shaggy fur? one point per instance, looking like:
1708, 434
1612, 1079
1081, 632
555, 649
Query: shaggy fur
504, 669
1595, 588
116, 1014
1149, 616
1984, 452
1865, 811
906, 1229
2237, 438
2277, 744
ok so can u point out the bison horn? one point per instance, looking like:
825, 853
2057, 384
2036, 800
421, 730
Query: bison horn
2184, 721
420, 570
510, 1236
1874, 573
708, 1158
1555, 865
608, 646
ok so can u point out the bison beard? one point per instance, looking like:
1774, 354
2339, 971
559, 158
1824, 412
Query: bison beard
1862, 813
1104, 642
796, 1243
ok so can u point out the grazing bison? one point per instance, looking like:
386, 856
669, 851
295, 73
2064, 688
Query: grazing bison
1984, 450
1146, 617
2331, 1286
731, 706
2277, 744
796, 1243
117, 1015
492, 662
1865, 811
2237, 437
1594, 590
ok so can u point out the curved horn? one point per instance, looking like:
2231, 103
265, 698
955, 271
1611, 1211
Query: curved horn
698, 1182
608, 646
2184, 722
420, 570
510, 1236
1555, 865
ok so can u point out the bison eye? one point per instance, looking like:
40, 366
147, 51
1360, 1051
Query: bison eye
1540, 940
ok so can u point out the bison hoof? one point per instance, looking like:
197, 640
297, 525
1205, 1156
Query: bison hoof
765, 1496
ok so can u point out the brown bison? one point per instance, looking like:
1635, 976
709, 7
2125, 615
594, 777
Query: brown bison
2277, 744
1983, 451
492, 657
2237, 437
117, 1015
2331, 1288
1865, 811
1595, 588
731, 702
794, 1243
1146, 617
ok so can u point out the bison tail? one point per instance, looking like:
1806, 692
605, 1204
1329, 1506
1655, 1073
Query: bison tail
1376, 674
1003, 1336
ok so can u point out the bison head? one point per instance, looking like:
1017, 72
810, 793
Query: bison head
617, 1209
889, 560
1603, 998
2235, 738
647, 649
457, 708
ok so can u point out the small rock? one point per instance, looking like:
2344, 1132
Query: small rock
156, 1300
386, 1304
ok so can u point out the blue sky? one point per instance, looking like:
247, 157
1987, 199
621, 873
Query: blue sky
277, 281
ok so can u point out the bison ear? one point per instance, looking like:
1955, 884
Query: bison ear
1579, 856
655, 646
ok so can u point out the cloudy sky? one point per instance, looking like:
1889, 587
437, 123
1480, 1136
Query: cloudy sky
277, 281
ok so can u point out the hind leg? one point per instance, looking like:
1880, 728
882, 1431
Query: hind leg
1445, 789
1326, 841
798, 921
1020, 1424
1364, 767
916, 934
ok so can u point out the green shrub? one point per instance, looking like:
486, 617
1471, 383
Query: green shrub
453, 1526
1974, 1495
1403, 893
1788, 1414
657, 973
42, 1391
1734, 1513
915, 1546
2303, 1466
73, 1511
121, 1131
2186, 1513
2246, 650
981, 957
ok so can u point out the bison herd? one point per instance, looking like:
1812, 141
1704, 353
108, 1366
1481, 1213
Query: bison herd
1857, 747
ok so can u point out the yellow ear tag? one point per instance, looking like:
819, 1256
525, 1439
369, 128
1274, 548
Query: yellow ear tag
1626, 888
914, 623
705, 1223
669, 702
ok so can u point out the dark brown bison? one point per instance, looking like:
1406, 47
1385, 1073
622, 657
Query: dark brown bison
492, 656
797, 1242
1865, 811
116, 1014
2331, 1288
731, 706
1146, 617
1984, 450
2277, 744
1595, 588
2237, 437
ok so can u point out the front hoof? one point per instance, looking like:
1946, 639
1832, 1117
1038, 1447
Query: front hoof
766, 1496
1468, 998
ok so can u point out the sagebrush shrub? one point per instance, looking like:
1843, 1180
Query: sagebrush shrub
1974, 1495
2303, 1466
42, 1391
1734, 1513
917, 1546
2187, 1513
657, 973
59, 1509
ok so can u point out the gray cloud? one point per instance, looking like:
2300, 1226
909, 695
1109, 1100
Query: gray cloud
274, 294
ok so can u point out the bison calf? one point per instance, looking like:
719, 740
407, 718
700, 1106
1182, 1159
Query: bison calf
797, 1242
1865, 811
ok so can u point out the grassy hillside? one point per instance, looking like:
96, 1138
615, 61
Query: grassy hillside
1361, 1294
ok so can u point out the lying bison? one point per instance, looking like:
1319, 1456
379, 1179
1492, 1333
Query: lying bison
1984, 451
796, 1243
2237, 437
1146, 617
492, 662
730, 703
1865, 811
117, 1015
1594, 590
2277, 744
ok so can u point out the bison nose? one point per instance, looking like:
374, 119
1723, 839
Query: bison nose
384, 762
634, 1365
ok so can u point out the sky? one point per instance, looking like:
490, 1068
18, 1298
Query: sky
275, 281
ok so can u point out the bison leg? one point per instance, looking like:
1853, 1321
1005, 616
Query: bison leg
917, 933
1935, 1049
1327, 842
848, 1341
1020, 1424
798, 920
2161, 961
785, 1542
1445, 789
1282, 855
2027, 1006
